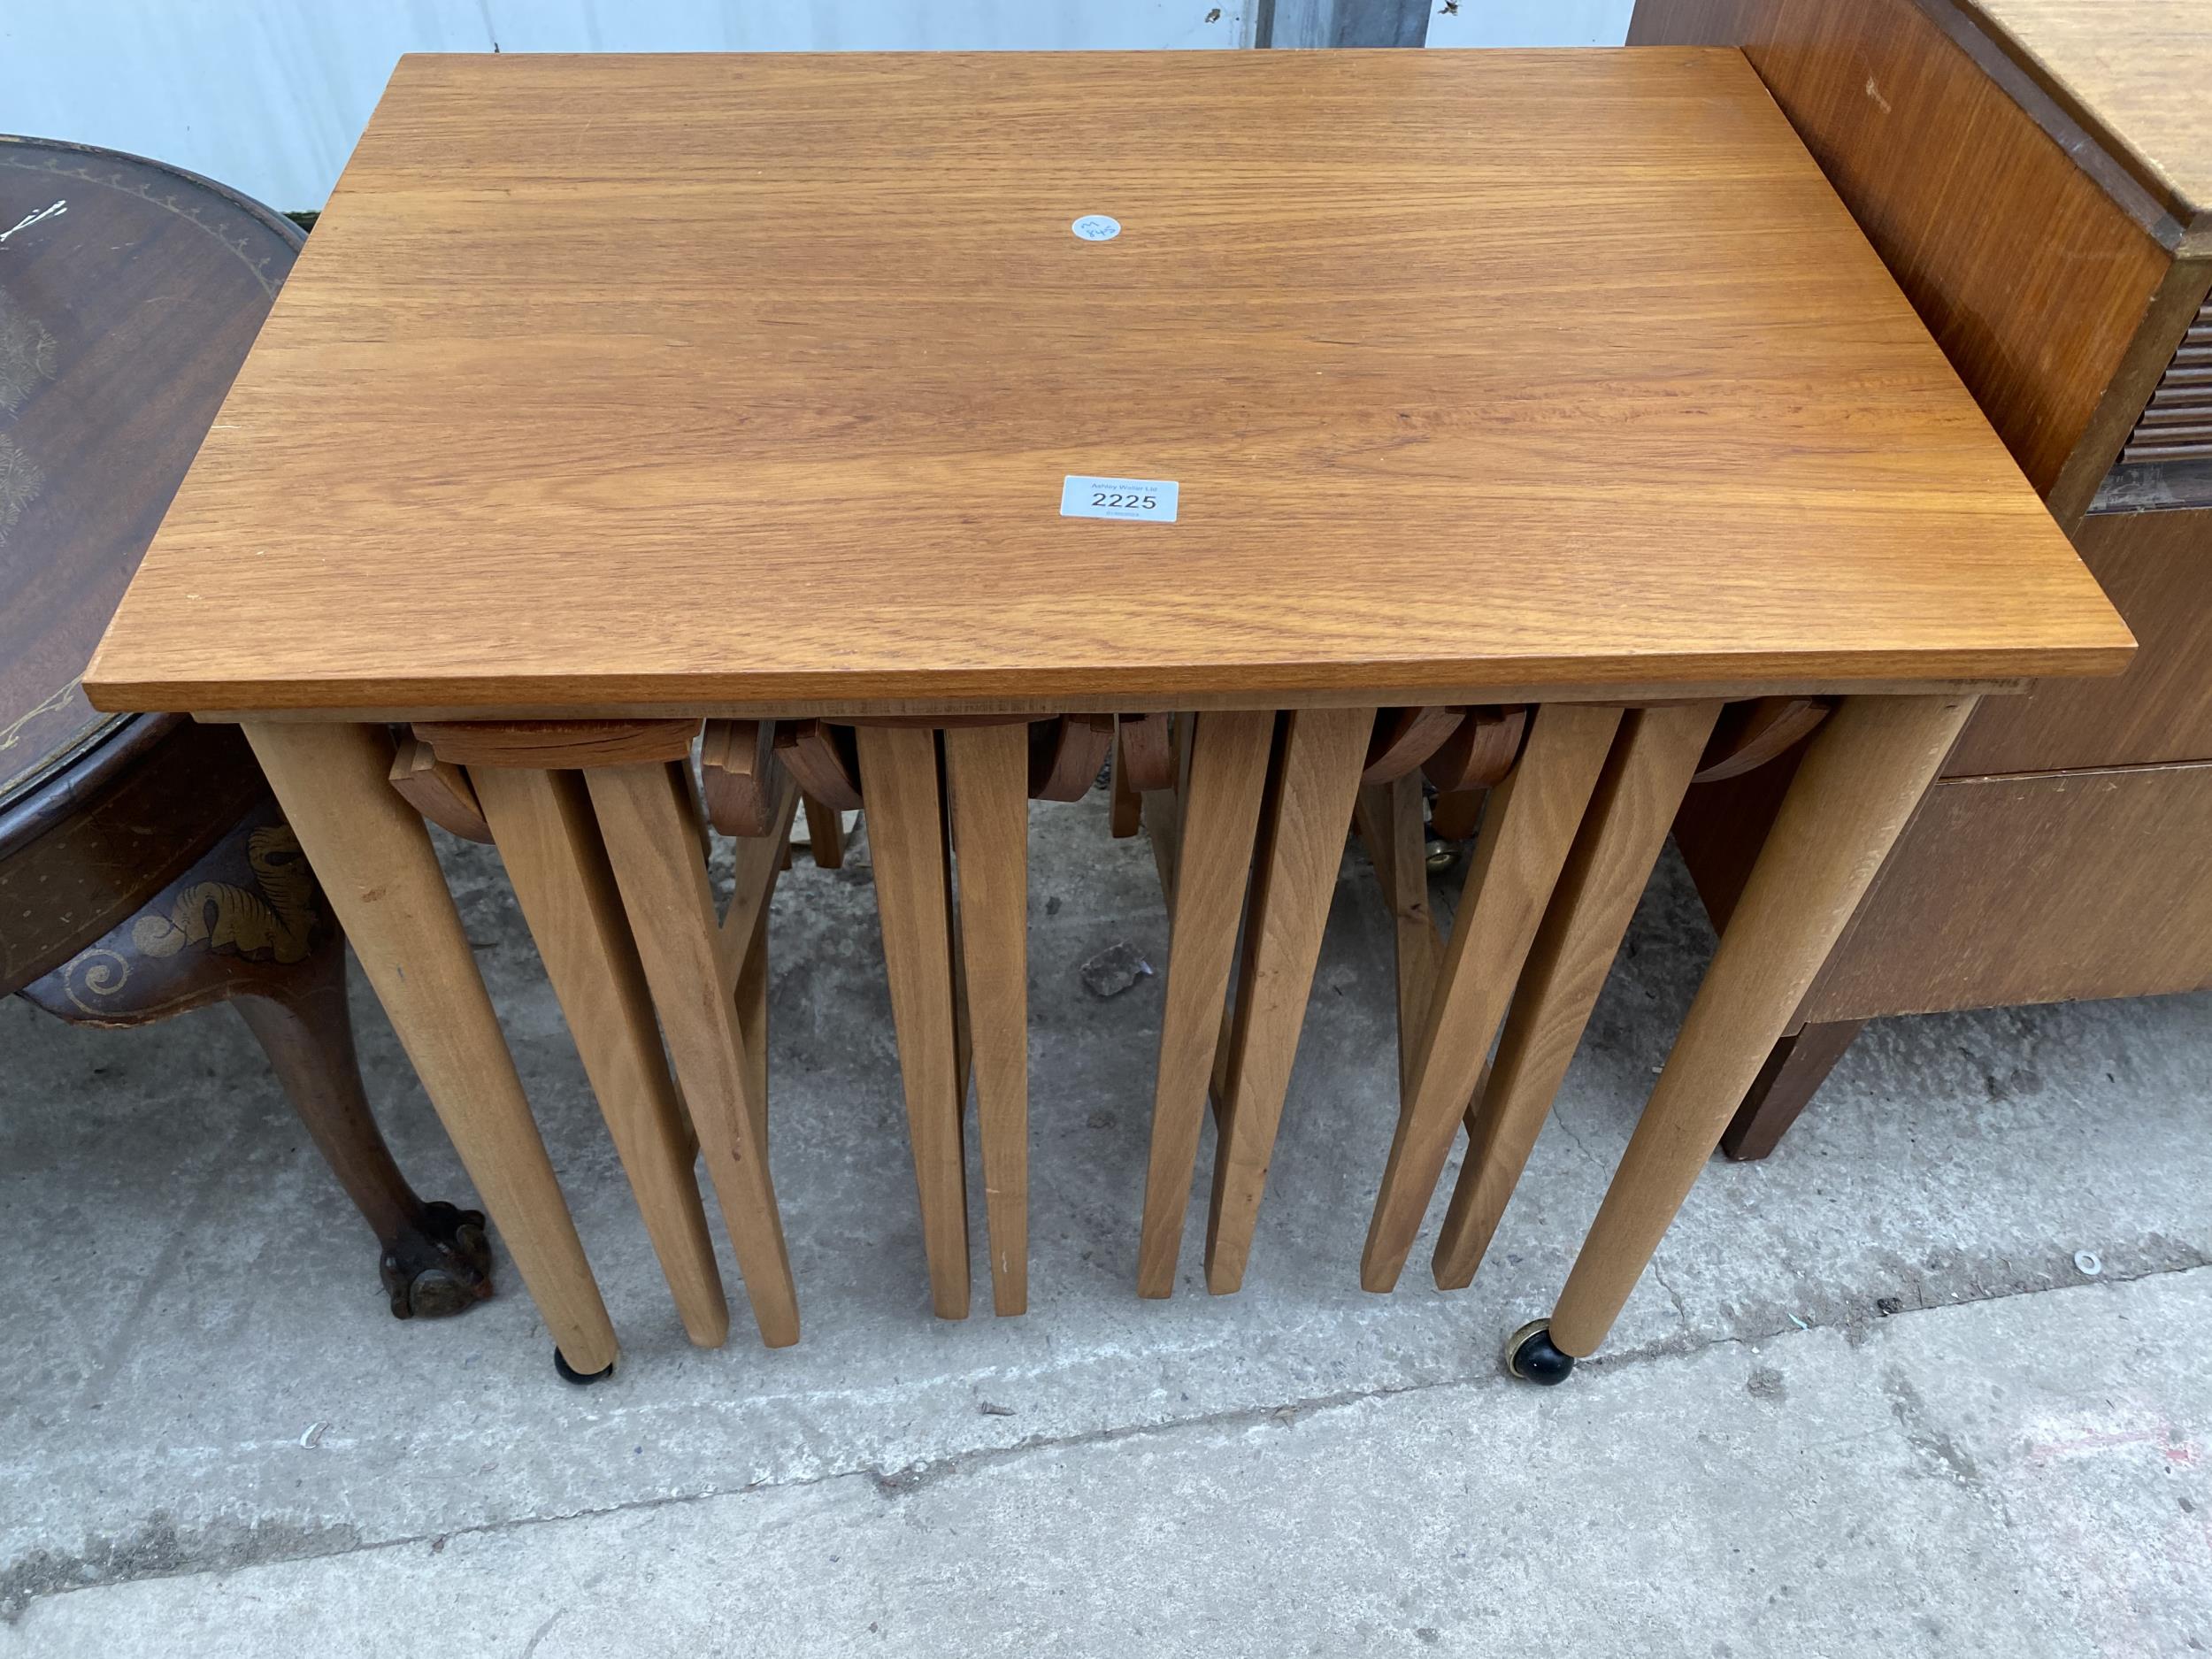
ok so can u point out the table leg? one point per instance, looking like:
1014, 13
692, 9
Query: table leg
825, 833
1388, 816
1863, 774
987, 770
1292, 881
1237, 1011
648, 816
752, 974
1614, 851
1128, 805
542, 824
1160, 814
1161, 821
898, 780
374, 857
1527, 828
963, 1049
756, 863
1795, 1068
1227, 754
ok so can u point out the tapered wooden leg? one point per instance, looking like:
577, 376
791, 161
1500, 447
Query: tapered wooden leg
1162, 818
647, 815
374, 857
1237, 1011
1861, 777
543, 826
987, 770
1128, 805
825, 833
963, 1046
1219, 817
1293, 881
743, 944
1614, 851
1527, 828
1161, 815
1795, 1068
1388, 816
898, 777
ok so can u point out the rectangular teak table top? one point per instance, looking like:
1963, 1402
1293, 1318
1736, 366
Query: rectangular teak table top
684, 383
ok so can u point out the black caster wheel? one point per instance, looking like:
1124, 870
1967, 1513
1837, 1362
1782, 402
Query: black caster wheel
1530, 1356
585, 1378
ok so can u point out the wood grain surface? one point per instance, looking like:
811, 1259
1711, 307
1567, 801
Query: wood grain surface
1205, 857
1864, 772
2041, 889
899, 769
438, 789
1650, 764
1751, 734
2136, 70
1300, 850
1527, 832
122, 319
608, 375
987, 775
2037, 282
1404, 738
559, 744
374, 861
2157, 568
648, 820
82, 852
739, 777
557, 863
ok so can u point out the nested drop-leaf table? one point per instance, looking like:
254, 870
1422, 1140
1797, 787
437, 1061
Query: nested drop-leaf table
895, 394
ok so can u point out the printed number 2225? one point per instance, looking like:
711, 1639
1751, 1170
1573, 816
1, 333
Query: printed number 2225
1118, 498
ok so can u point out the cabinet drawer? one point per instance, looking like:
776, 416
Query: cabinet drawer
2034, 889
2156, 567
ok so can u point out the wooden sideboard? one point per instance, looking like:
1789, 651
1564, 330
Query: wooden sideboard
2038, 174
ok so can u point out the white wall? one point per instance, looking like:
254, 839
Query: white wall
1530, 23
268, 95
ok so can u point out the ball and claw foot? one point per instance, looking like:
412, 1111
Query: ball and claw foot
439, 1267
1530, 1356
581, 1378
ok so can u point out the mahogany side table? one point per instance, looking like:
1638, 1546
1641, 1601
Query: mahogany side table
144, 869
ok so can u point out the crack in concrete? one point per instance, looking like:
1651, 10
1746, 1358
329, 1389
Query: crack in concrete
1677, 1347
264, 1544
1582, 1147
1659, 1276
1574, 1135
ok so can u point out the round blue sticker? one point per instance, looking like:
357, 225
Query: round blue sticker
1097, 228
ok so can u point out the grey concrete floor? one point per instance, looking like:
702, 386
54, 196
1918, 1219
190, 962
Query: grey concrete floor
214, 1440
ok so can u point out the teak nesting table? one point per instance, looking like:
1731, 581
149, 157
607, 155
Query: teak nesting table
615, 394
